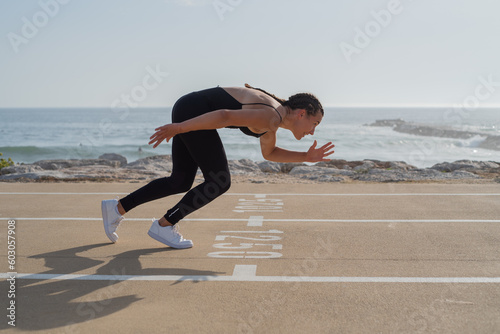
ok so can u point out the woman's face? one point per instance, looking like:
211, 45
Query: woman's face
305, 124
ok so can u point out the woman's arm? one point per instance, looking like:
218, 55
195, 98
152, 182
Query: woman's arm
254, 118
273, 153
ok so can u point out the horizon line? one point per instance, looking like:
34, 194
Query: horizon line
491, 106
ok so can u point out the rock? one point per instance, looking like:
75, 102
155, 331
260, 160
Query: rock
286, 167
323, 178
243, 166
325, 164
314, 171
491, 143
301, 170
377, 175
264, 171
401, 165
20, 169
365, 167
388, 122
56, 175
114, 157
319, 174
156, 163
334, 163
463, 175
60, 164
380, 176
465, 164
340, 164
269, 166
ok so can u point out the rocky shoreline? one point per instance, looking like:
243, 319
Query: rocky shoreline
490, 142
115, 168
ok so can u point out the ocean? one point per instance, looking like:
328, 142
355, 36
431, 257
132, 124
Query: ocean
29, 135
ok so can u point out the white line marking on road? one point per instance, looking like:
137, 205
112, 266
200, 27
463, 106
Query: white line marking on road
246, 275
245, 271
272, 194
59, 193
255, 232
258, 195
277, 220
368, 194
251, 210
255, 221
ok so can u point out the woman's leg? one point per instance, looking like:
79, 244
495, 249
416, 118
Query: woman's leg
181, 180
206, 149
182, 177
184, 167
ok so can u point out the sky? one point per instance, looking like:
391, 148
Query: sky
148, 53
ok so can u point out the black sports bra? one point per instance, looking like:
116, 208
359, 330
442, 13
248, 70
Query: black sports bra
249, 132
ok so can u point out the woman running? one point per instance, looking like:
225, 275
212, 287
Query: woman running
196, 143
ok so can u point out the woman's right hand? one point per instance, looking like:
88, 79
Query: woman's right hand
318, 154
163, 132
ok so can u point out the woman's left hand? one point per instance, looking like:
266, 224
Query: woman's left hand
163, 132
318, 154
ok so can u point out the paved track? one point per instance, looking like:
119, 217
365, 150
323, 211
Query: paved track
326, 258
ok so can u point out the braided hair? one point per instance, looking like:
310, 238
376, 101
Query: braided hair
306, 101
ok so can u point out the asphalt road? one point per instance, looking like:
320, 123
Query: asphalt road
267, 258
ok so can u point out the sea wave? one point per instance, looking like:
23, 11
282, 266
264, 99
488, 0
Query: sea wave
30, 154
81, 134
473, 142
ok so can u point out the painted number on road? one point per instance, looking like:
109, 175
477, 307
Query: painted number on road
268, 241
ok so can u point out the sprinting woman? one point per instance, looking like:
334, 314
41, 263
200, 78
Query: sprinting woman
196, 143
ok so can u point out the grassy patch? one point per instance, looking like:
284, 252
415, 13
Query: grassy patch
5, 162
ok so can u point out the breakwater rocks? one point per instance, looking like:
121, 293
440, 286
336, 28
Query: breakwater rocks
488, 142
114, 168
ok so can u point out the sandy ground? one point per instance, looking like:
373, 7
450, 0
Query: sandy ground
268, 258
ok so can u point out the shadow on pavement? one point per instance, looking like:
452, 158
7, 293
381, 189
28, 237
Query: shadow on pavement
50, 304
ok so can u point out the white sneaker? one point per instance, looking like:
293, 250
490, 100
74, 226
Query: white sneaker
111, 218
168, 235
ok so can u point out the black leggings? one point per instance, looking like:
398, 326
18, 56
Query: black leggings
191, 150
